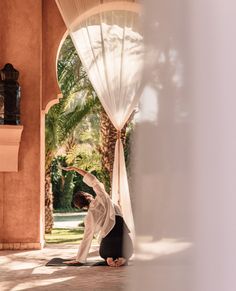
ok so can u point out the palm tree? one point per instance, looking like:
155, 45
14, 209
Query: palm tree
59, 127
108, 141
63, 118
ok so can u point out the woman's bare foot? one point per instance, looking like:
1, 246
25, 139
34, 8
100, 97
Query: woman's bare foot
120, 262
116, 263
110, 262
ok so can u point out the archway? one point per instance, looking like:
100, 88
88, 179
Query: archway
71, 134
51, 103
78, 133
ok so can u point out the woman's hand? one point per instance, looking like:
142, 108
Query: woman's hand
73, 263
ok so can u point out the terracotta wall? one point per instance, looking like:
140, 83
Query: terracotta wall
53, 31
24, 43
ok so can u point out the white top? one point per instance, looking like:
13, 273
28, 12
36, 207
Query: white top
100, 217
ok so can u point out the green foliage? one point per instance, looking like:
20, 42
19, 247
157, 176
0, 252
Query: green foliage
66, 184
68, 188
65, 235
64, 119
128, 144
88, 161
73, 118
78, 100
68, 68
73, 131
62, 185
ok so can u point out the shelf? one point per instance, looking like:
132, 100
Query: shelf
10, 137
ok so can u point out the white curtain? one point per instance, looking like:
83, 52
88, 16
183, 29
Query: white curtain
110, 46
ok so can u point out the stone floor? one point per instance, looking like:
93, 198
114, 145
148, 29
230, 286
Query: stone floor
25, 270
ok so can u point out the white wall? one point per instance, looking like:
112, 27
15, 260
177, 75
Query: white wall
185, 154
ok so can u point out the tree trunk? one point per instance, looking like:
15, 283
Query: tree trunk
48, 205
48, 197
108, 139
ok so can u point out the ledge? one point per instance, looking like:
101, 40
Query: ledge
10, 136
21, 246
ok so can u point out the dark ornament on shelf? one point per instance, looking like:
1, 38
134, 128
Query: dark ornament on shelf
9, 96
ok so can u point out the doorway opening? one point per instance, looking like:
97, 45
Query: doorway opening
71, 139
78, 133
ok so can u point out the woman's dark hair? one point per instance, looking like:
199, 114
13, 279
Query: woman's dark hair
81, 199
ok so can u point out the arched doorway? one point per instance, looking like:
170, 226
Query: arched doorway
114, 138
72, 136
78, 133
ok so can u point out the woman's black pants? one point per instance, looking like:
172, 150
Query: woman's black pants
117, 243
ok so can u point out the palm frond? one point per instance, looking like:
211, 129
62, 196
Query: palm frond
73, 118
72, 154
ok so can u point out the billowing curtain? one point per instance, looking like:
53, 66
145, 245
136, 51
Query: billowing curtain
110, 45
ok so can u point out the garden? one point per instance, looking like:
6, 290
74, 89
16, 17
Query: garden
78, 133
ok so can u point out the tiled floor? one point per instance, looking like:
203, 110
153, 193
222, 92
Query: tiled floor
25, 270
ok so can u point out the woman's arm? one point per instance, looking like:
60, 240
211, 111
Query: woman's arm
87, 238
85, 243
89, 179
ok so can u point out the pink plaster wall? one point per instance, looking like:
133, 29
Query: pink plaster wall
53, 32
30, 33
20, 25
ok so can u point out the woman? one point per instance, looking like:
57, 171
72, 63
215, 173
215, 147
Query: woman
105, 218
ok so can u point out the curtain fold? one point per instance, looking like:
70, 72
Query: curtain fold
110, 46
120, 187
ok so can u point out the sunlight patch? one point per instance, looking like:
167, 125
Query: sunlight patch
19, 265
149, 250
37, 283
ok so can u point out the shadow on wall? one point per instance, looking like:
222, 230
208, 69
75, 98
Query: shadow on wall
162, 137
161, 156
